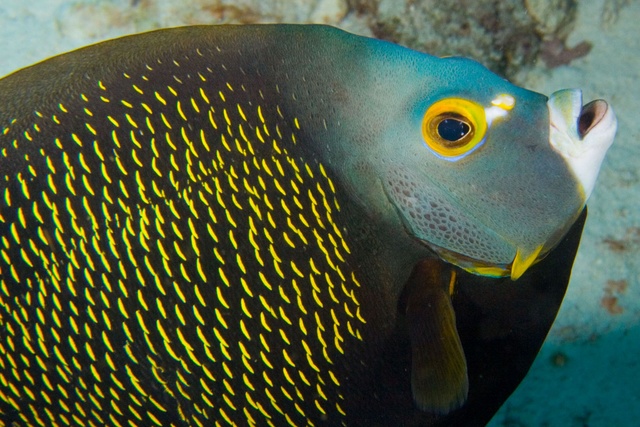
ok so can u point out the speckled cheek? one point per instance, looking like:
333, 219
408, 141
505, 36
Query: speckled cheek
432, 218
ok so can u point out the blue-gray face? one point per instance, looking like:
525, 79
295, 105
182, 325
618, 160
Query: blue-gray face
469, 167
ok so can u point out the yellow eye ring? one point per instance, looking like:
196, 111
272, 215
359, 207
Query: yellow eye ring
454, 127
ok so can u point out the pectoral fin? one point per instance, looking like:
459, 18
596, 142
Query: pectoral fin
439, 370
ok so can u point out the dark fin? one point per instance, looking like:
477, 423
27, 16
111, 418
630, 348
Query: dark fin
503, 324
439, 370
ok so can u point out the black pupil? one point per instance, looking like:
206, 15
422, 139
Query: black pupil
452, 129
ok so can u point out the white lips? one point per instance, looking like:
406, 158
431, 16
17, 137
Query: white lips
582, 145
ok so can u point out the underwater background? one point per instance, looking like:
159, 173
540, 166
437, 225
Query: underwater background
588, 371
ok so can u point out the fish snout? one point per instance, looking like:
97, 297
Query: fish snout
581, 134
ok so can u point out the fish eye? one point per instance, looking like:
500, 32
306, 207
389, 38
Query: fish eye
454, 127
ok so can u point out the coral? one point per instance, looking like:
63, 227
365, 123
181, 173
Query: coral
613, 289
553, 19
102, 19
630, 241
555, 52
504, 36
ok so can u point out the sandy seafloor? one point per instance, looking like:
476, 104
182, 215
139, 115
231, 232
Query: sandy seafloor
588, 372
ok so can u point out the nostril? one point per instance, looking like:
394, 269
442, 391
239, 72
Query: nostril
590, 116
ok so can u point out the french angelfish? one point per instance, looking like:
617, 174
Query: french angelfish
233, 225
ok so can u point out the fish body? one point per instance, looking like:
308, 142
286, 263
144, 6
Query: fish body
216, 225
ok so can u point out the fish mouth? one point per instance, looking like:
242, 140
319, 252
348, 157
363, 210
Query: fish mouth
591, 115
581, 134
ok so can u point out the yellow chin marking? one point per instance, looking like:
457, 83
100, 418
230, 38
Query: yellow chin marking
523, 261
486, 271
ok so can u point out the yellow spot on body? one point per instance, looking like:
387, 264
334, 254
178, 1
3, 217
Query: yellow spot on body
244, 308
264, 323
76, 139
180, 112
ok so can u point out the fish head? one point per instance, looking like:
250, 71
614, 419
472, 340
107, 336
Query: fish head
491, 175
